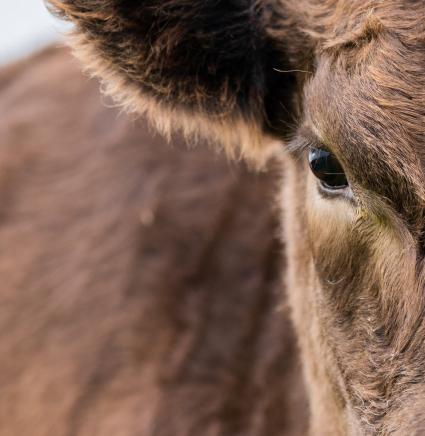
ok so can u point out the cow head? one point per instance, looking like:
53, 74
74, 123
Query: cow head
340, 86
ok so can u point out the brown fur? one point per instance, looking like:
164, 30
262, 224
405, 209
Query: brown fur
139, 282
222, 91
351, 75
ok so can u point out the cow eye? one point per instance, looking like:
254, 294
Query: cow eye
326, 167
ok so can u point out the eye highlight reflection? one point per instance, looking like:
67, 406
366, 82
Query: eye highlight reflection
327, 169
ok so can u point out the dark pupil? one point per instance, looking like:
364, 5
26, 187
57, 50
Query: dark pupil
327, 169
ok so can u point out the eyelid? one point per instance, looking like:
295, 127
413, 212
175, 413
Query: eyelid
346, 194
305, 140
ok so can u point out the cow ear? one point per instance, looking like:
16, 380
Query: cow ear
204, 66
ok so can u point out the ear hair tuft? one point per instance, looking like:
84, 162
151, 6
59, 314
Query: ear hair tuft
207, 67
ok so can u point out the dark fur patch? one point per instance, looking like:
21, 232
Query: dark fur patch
210, 56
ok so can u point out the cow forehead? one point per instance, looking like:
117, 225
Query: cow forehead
366, 100
336, 23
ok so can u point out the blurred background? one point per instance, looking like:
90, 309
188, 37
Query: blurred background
26, 26
139, 280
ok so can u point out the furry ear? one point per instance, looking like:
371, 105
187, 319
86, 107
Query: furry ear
207, 67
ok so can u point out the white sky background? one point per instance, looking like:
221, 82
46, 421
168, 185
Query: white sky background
25, 26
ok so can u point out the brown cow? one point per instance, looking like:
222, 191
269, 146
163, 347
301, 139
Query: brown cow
342, 84
140, 288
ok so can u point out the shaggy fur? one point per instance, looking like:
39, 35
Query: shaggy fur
203, 65
353, 75
139, 282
